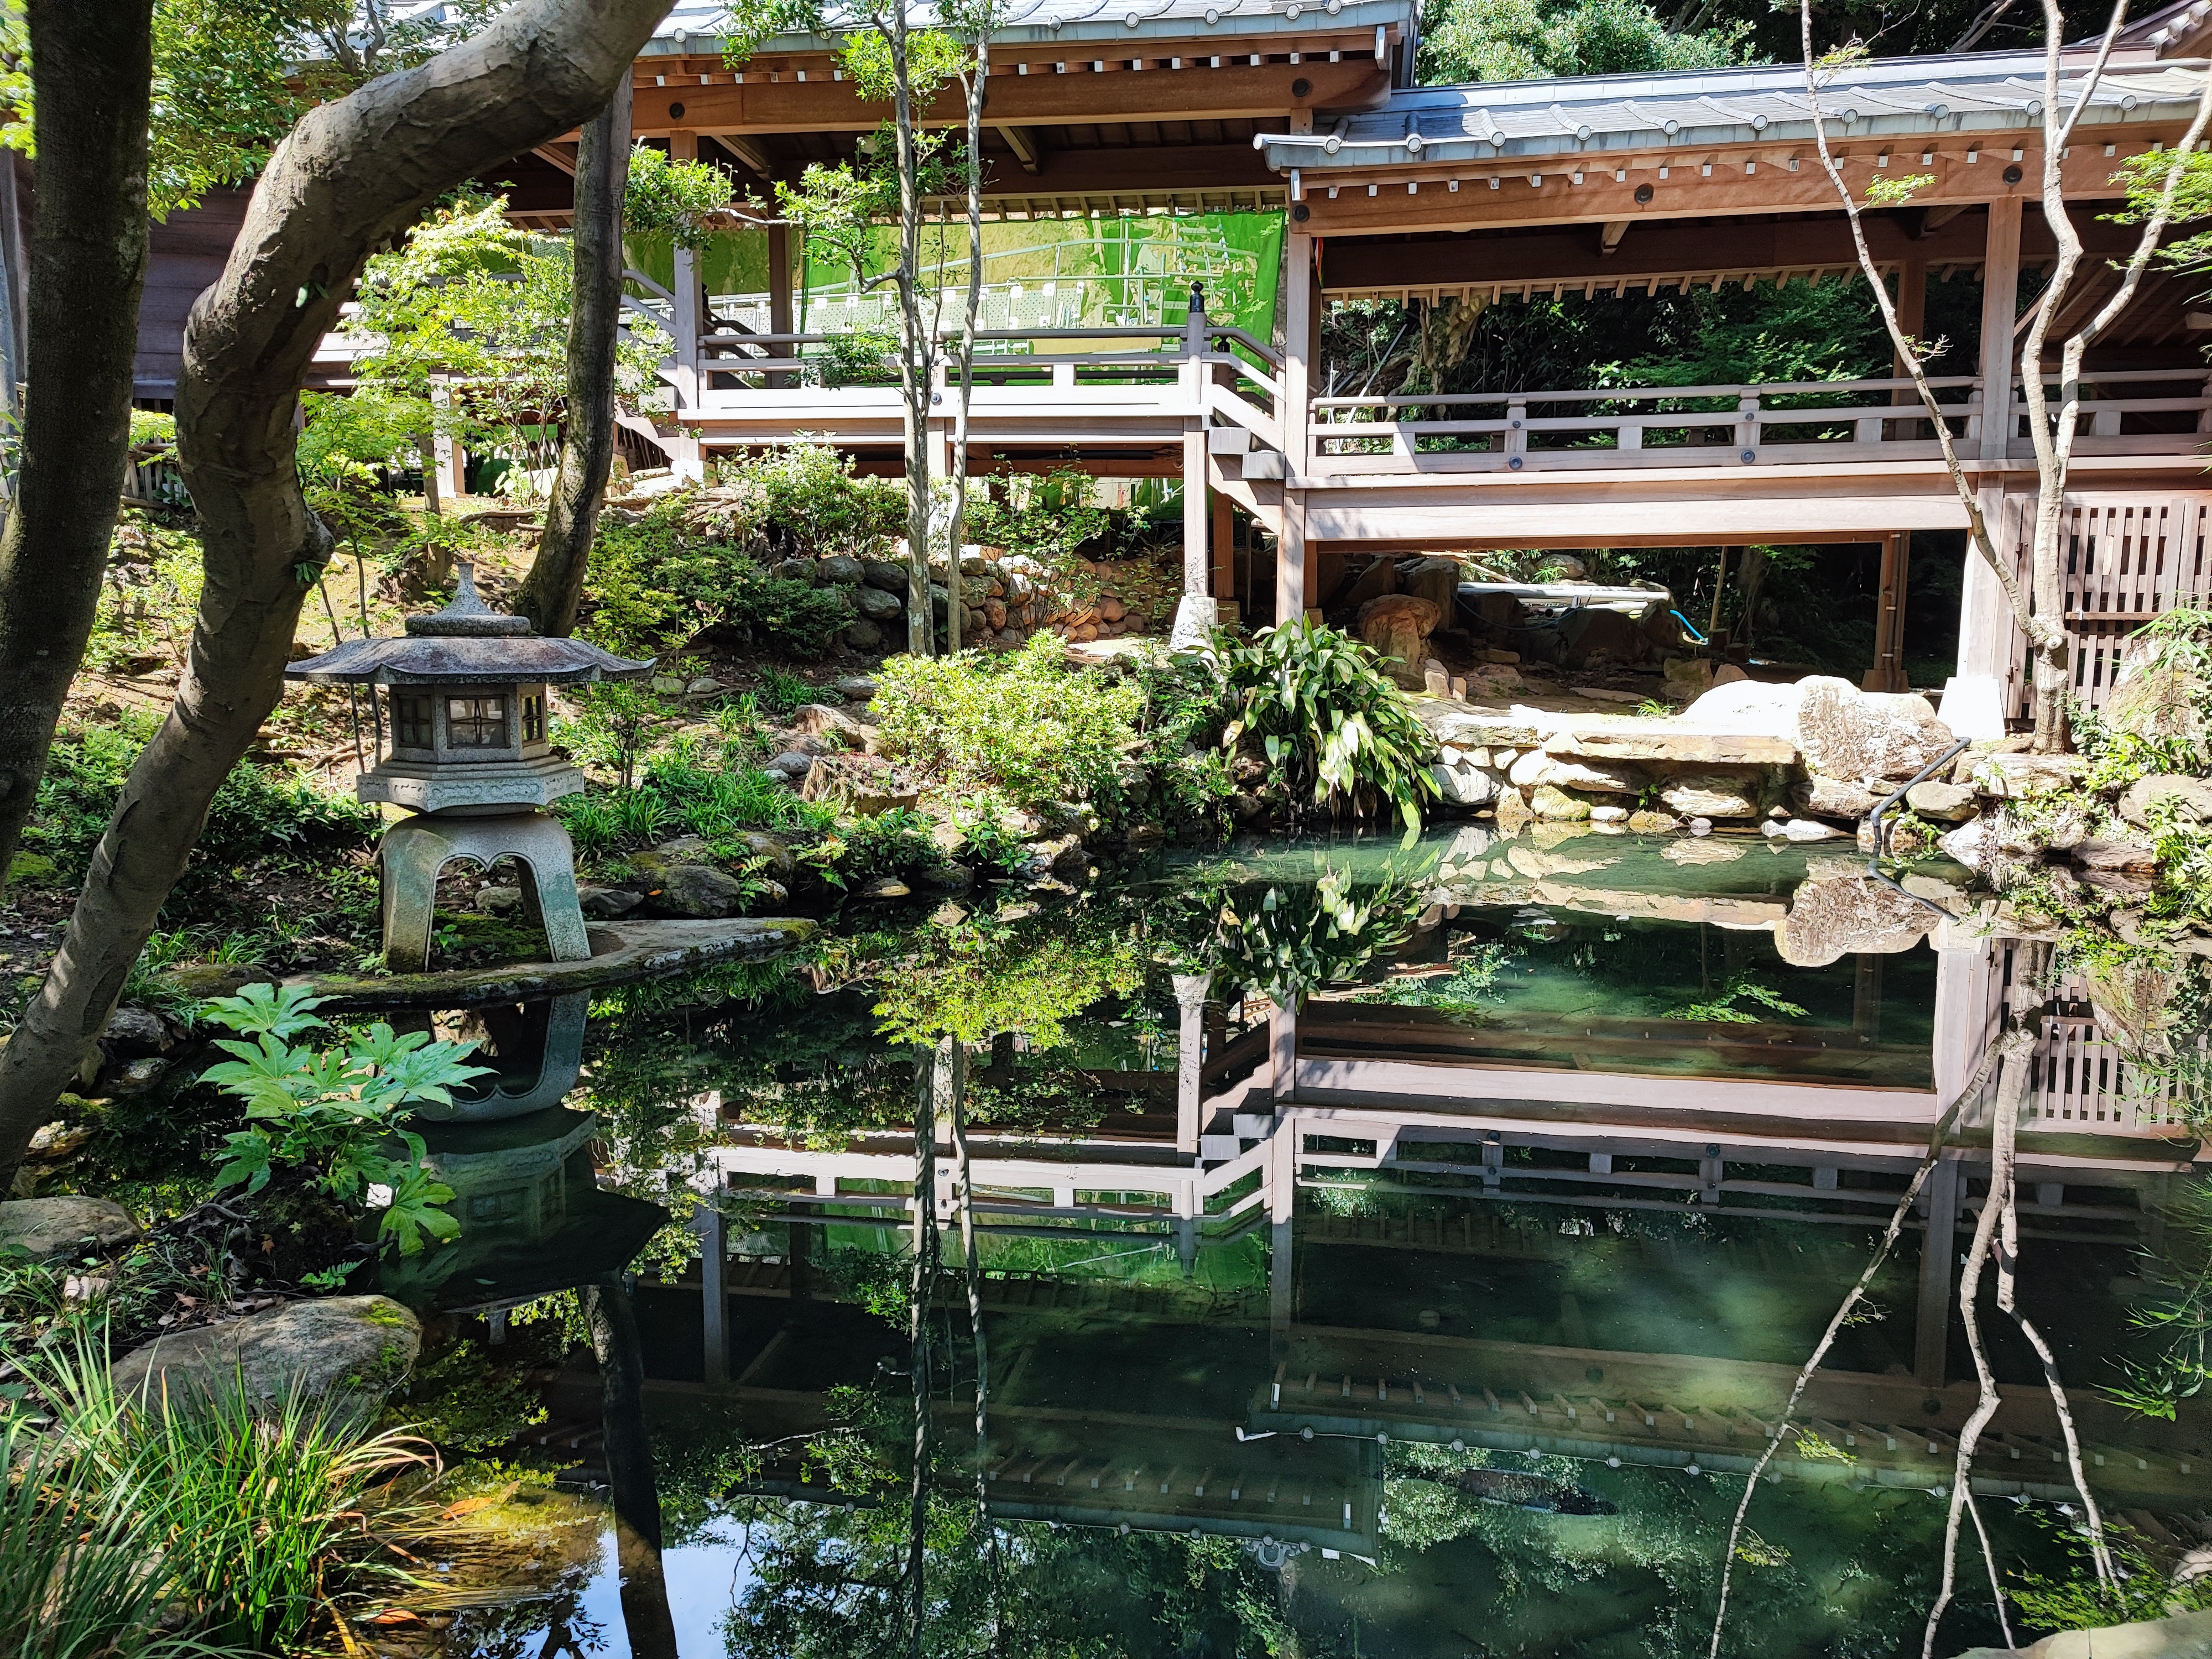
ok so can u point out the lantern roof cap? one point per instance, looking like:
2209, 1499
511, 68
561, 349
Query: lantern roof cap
466, 643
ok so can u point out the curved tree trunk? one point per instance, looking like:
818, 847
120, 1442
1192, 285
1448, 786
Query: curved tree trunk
633, 1494
350, 177
555, 586
95, 67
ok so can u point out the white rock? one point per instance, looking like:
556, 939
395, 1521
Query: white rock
1965, 844
1802, 830
1751, 706
1608, 814
1464, 786
1530, 769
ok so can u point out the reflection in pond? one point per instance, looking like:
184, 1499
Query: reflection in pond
1391, 1251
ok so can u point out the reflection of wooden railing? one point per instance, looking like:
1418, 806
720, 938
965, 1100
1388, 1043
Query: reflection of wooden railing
2082, 1083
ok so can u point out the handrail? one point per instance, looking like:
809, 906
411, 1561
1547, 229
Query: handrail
1265, 352
1639, 394
946, 333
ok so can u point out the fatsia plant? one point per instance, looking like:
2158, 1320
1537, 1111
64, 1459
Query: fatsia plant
336, 1112
1297, 939
1331, 723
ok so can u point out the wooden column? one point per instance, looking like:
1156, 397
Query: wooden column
1190, 991
1301, 330
713, 1294
779, 294
1887, 673
1939, 1255
690, 305
1282, 1205
1283, 1053
1911, 316
1225, 551
2000, 299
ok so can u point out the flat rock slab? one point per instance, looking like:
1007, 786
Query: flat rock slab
621, 952
348, 1351
1601, 737
2187, 1636
64, 1225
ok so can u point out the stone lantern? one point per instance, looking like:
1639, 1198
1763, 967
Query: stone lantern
465, 695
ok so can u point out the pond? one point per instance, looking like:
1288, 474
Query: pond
1379, 1247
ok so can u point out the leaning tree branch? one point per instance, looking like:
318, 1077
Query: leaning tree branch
1909, 349
349, 177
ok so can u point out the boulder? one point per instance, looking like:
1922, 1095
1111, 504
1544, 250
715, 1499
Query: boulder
1062, 855
883, 887
1948, 802
676, 886
1712, 795
863, 636
1550, 802
2023, 777
131, 1032
1645, 822
834, 725
1965, 844
1513, 813
1748, 706
1686, 677
791, 764
1602, 777
1397, 626
2158, 703
859, 783
67, 1224
2188, 798
840, 568
1528, 770
886, 577
1839, 910
1464, 785
345, 1352
855, 688
705, 686
2185, 1636
133, 1076
1800, 829
876, 605
606, 903
1845, 733
2101, 854
500, 901
1609, 815
1832, 798
782, 863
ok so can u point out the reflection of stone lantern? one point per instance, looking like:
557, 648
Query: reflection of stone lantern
465, 690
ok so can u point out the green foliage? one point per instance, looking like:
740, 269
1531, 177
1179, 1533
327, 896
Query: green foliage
2178, 1317
933, 57
984, 975
1741, 988
1471, 983
333, 1112
376, 425
1050, 518
2144, 178
460, 1400
151, 427
1531, 39
678, 199
878, 844
148, 599
257, 808
2140, 1590
1297, 939
1330, 722
1023, 727
804, 501
656, 585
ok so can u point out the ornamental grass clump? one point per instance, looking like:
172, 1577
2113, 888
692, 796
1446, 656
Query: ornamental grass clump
1022, 728
1334, 727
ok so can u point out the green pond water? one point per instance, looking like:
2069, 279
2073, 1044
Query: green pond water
1417, 1408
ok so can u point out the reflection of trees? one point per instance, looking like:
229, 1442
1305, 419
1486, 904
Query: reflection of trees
1288, 941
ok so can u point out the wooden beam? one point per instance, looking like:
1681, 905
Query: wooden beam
1716, 183
560, 153
1608, 237
1023, 144
1047, 96
746, 151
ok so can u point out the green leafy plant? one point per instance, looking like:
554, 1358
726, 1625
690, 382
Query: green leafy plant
1297, 939
1022, 728
332, 1112
661, 582
1317, 703
2139, 1588
1741, 988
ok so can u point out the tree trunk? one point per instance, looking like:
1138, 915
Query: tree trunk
917, 355
554, 586
96, 68
612, 1321
352, 176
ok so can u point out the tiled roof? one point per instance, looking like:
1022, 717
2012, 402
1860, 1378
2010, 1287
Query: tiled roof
693, 27
1983, 92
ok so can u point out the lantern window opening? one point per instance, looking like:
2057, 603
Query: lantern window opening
478, 722
411, 721
533, 718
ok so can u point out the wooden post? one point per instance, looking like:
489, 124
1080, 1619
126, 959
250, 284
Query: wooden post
778, 295
1887, 673
1282, 1205
1225, 551
1912, 318
1939, 1251
1301, 330
1720, 587
1283, 1053
2000, 303
1190, 991
713, 1294
684, 325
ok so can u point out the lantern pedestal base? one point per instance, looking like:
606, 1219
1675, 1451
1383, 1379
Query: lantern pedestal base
415, 849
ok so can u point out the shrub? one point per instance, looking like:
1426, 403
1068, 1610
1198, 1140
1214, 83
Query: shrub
1022, 727
1330, 722
656, 584
805, 499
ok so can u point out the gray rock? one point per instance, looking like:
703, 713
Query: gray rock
946, 877
2191, 798
134, 1031
884, 887
1712, 795
345, 1352
1839, 910
863, 636
500, 901
1965, 845
818, 719
668, 686
705, 686
840, 568
1801, 830
782, 863
1845, 733
855, 688
1062, 855
134, 1076
792, 764
1950, 803
1832, 798
796, 570
2158, 703
676, 888
770, 892
886, 575
606, 903
876, 605
1464, 786
1598, 776
2099, 854
65, 1224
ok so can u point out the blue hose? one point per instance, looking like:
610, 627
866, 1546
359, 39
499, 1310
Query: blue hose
1687, 623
